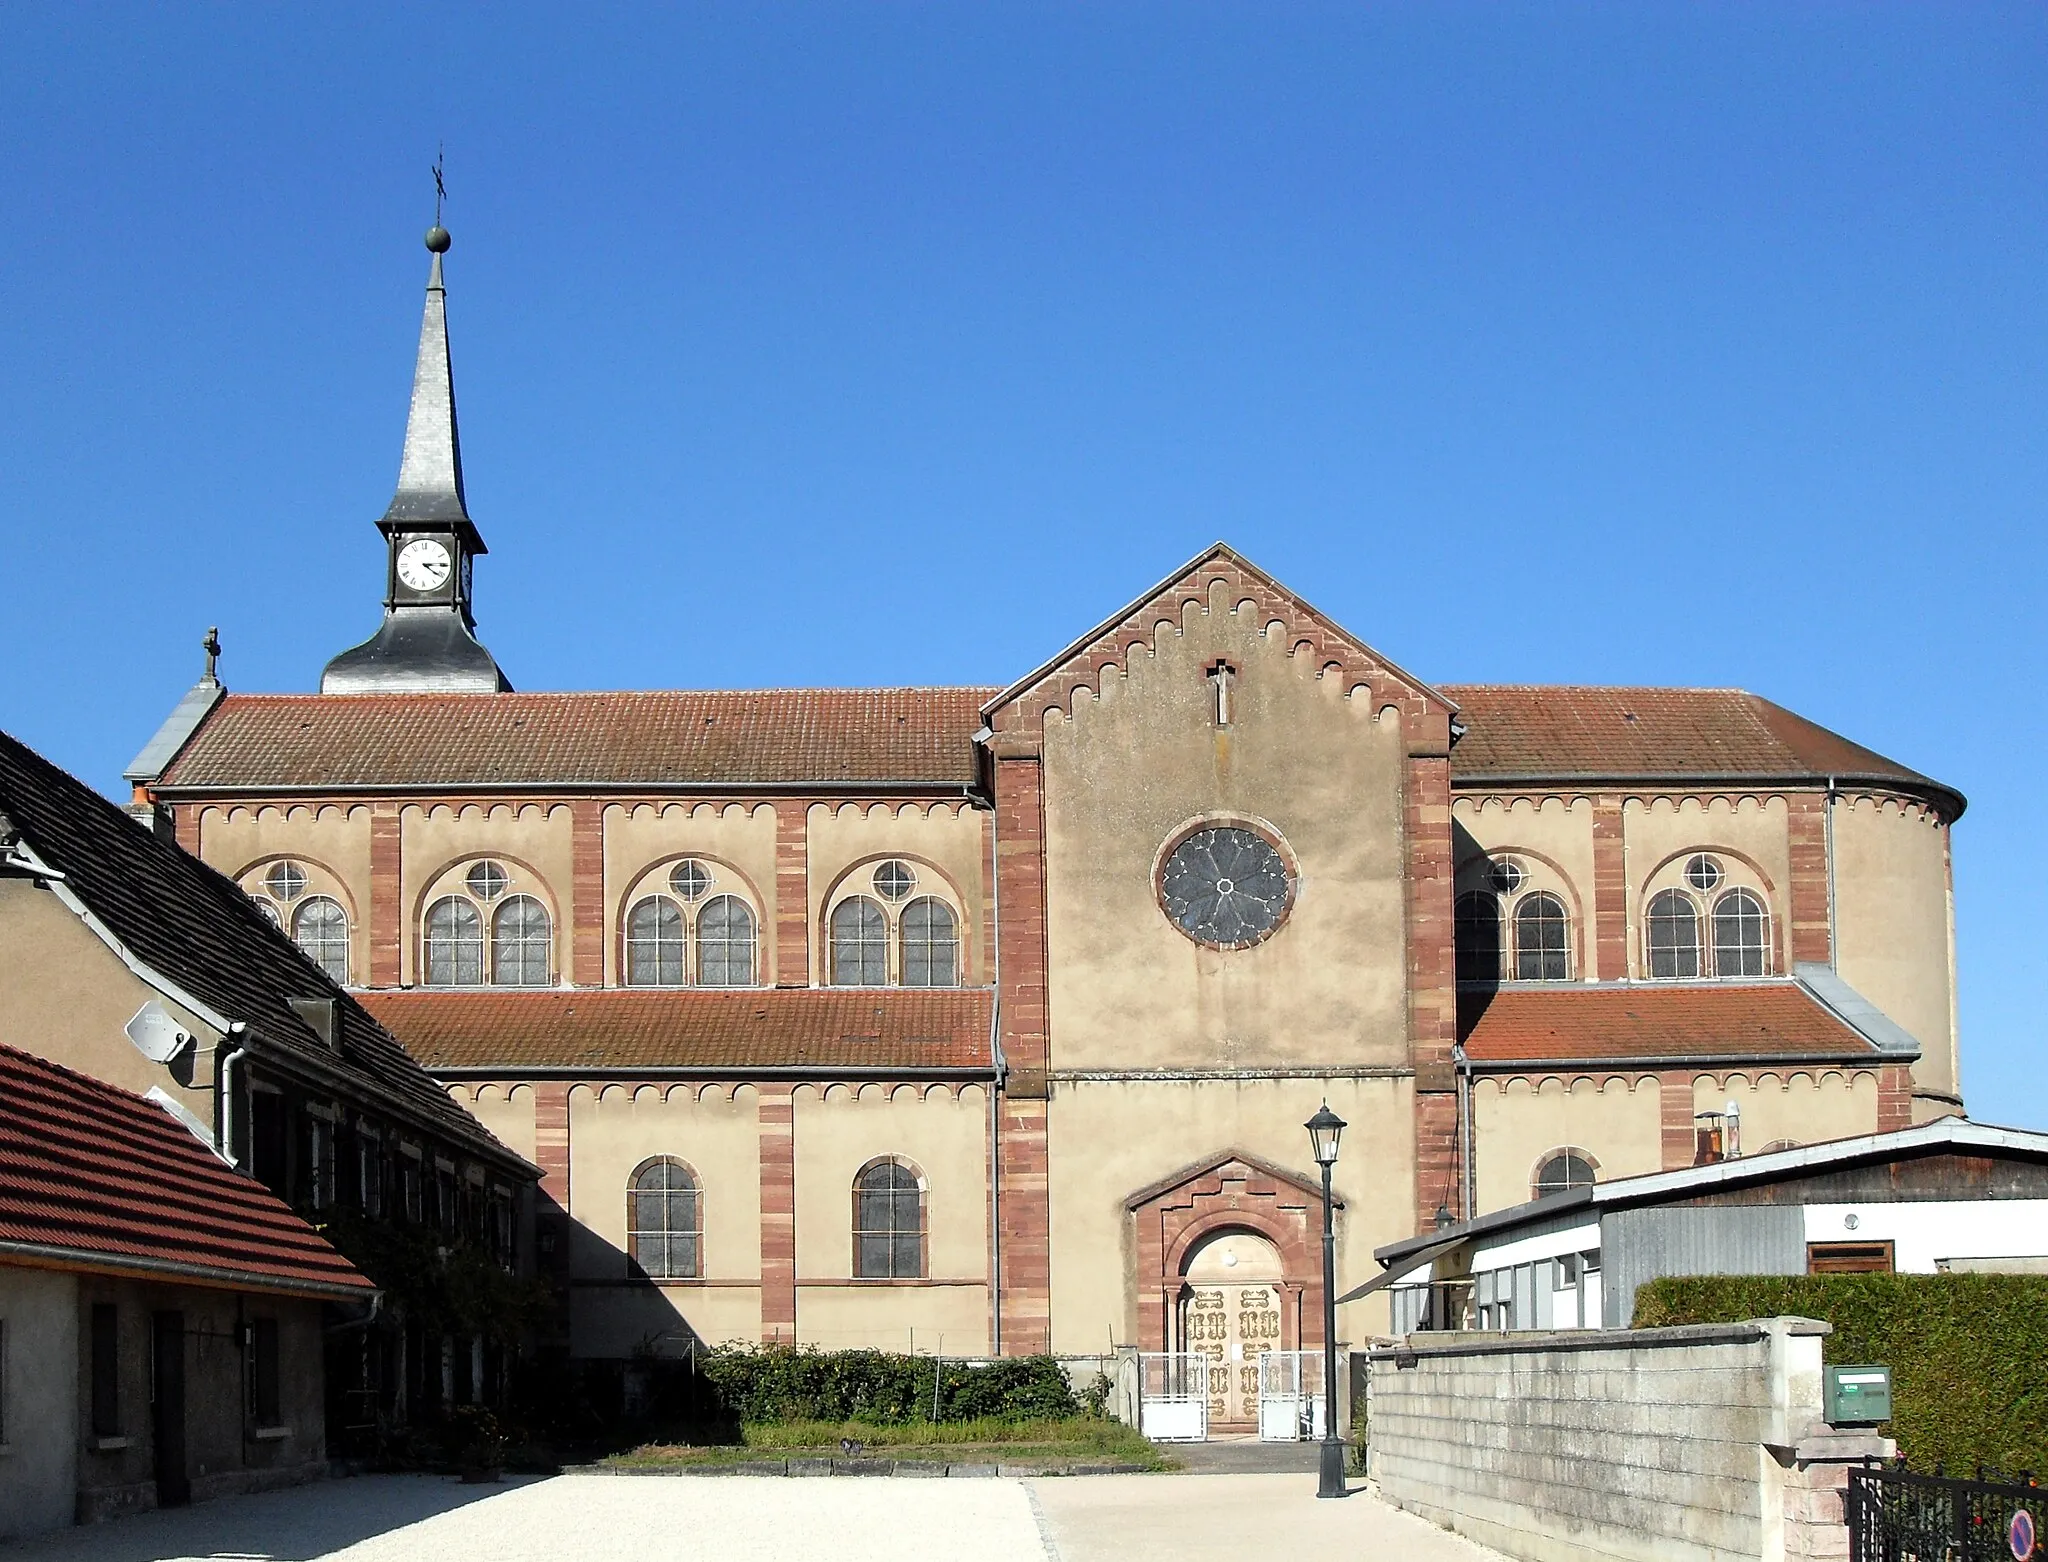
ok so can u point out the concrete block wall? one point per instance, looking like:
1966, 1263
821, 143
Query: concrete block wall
1674, 1444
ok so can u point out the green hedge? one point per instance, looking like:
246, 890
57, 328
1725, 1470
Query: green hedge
1968, 1353
769, 1383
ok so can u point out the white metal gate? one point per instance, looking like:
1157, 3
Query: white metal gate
1173, 1396
1292, 1404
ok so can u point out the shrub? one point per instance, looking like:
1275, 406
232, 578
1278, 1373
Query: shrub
771, 1383
1966, 1351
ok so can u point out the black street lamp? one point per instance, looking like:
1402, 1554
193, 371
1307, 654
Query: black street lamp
1324, 1130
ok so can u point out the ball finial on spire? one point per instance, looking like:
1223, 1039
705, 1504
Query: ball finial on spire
438, 239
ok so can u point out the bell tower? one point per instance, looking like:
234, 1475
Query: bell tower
427, 643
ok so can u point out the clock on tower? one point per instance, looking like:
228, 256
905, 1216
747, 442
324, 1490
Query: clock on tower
427, 642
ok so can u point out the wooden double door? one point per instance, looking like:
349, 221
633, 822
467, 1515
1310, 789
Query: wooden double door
1231, 1325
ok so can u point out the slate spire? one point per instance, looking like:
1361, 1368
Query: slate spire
430, 469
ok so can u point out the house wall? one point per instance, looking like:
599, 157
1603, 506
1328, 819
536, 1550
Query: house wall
226, 1453
38, 1400
1519, 1122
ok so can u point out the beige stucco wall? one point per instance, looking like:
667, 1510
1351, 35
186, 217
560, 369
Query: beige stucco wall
1807, 1106
1893, 920
945, 1137
735, 840
38, 1400
506, 1110
941, 841
1517, 1123
1144, 760
534, 837
1656, 832
66, 997
1099, 1158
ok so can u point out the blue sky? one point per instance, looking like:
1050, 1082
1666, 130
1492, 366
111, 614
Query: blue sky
898, 343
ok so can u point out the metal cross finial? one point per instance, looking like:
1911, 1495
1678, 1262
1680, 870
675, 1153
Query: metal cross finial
440, 185
211, 646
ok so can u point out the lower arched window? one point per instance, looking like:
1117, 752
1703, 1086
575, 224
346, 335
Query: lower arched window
725, 943
664, 1220
1741, 935
522, 938
931, 944
455, 944
654, 943
1563, 1171
321, 928
860, 944
1475, 936
1672, 935
888, 1223
1542, 948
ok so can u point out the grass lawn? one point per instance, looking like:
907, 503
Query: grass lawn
1077, 1441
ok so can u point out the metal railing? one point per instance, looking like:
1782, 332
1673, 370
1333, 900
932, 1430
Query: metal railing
1901, 1515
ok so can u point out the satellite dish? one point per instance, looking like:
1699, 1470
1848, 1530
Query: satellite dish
156, 1035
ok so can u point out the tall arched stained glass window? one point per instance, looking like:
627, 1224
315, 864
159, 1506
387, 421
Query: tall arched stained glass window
1475, 936
1542, 939
1742, 933
931, 944
654, 943
321, 928
455, 944
860, 944
521, 943
1672, 935
888, 1223
664, 1220
725, 943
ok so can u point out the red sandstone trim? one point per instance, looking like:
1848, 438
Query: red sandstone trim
792, 894
1432, 984
777, 1119
1674, 1111
386, 914
1610, 893
1026, 1227
1806, 833
586, 893
1894, 1098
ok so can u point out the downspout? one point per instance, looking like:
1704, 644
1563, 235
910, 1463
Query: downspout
223, 1096
1828, 826
995, 1043
1464, 1067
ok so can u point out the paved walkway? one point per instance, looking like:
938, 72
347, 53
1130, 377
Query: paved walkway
1107, 1518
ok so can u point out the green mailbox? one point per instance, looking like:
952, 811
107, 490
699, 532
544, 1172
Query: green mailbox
1857, 1396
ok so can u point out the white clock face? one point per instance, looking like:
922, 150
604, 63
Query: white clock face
423, 564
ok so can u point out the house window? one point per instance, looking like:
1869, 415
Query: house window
1849, 1258
106, 1370
888, 1223
1741, 934
1562, 1171
1475, 934
265, 1406
931, 944
1542, 947
321, 928
370, 1174
1673, 935
319, 1161
411, 1194
664, 1222
860, 944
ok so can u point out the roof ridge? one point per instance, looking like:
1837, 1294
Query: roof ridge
511, 696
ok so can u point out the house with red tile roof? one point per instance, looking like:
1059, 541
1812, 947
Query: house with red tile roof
162, 1315
986, 1019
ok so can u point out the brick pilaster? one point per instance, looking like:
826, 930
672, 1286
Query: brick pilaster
1432, 985
777, 1120
586, 893
1807, 837
1674, 1109
1894, 1097
1026, 1231
386, 930
1610, 895
792, 894
185, 826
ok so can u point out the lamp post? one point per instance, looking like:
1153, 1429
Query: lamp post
1324, 1130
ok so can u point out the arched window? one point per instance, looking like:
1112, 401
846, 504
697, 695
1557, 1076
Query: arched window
321, 928
931, 944
1741, 934
888, 1223
860, 944
269, 910
654, 943
1542, 948
521, 943
1672, 935
664, 1220
1475, 935
455, 944
1563, 1171
725, 943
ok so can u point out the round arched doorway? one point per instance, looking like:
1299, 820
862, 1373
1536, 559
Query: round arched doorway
1233, 1306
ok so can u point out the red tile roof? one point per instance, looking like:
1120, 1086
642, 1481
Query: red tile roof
92, 1177
796, 1030
1585, 733
1653, 1020
660, 738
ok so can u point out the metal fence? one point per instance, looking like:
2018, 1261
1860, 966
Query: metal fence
1901, 1515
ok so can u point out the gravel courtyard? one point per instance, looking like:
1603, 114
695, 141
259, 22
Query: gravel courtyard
1135, 1518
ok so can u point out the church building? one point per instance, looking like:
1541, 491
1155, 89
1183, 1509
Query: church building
979, 1020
